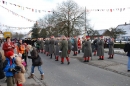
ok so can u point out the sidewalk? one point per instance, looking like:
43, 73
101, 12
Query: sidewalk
116, 51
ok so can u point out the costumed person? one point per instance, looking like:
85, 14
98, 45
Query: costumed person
51, 46
100, 49
8, 46
57, 49
64, 50
69, 45
20, 75
111, 48
47, 46
87, 49
83, 41
10, 68
41, 45
79, 45
75, 46
36, 61
95, 46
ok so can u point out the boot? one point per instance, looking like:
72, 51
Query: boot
88, 59
99, 58
42, 77
67, 58
51, 56
85, 59
31, 76
62, 60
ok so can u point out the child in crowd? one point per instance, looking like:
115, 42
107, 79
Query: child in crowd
9, 68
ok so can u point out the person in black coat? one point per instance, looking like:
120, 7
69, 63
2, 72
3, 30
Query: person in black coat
36, 61
127, 50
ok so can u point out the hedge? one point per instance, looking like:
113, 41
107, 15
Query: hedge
119, 46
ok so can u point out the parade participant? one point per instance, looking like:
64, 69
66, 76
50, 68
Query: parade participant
69, 45
83, 41
87, 49
75, 46
36, 61
57, 48
41, 45
47, 46
38, 44
19, 76
10, 68
79, 45
111, 48
51, 46
8, 46
64, 50
95, 46
100, 49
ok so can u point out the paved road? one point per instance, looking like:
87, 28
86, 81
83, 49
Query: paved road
82, 74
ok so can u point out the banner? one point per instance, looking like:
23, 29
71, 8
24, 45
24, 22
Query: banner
22, 7
40, 11
18, 14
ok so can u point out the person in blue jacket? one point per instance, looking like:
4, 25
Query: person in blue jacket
10, 68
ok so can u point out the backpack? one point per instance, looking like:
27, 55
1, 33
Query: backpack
37, 61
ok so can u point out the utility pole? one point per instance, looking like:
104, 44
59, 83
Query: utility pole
85, 23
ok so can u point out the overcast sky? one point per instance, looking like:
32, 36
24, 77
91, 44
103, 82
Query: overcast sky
99, 20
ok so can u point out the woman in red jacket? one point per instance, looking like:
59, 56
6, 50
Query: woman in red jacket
8, 46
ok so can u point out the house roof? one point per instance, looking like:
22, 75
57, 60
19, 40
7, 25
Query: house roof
125, 27
101, 32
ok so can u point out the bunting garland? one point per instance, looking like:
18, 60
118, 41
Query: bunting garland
40, 11
18, 14
22, 7
3, 25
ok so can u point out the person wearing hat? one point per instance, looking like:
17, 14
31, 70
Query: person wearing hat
87, 49
47, 46
57, 48
51, 46
9, 68
95, 46
100, 49
75, 46
64, 50
111, 48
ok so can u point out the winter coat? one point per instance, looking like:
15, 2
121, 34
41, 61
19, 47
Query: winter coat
69, 45
64, 48
41, 44
51, 46
95, 44
127, 48
111, 48
75, 45
20, 76
2, 75
47, 45
87, 49
6, 48
83, 43
100, 48
8, 66
57, 48
36, 59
